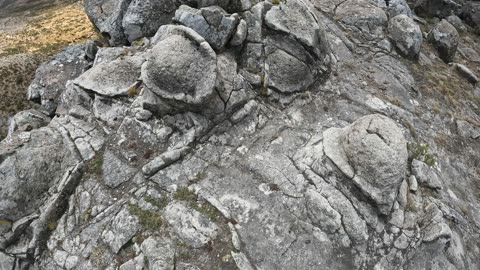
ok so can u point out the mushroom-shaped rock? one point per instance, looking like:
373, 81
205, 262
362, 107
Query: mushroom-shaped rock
212, 23
406, 35
373, 153
181, 67
445, 39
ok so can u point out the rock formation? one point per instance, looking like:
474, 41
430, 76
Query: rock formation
217, 134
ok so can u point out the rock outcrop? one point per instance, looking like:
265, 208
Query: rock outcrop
221, 134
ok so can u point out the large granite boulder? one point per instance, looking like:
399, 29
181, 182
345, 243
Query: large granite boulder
406, 35
372, 151
445, 39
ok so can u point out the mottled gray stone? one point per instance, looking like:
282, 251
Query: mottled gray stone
144, 17
406, 35
181, 66
211, 23
191, 226
426, 175
52, 76
113, 78
445, 39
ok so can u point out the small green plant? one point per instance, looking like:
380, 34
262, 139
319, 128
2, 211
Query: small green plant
184, 194
276, 2
160, 203
148, 219
95, 165
420, 151
264, 91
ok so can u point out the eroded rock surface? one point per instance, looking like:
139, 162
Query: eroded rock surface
250, 135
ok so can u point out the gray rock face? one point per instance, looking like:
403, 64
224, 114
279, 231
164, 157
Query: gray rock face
445, 39
144, 17
27, 120
212, 23
294, 17
233, 160
364, 17
406, 35
397, 7
181, 67
107, 16
457, 23
373, 153
426, 175
31, 162
51, 76
438, 8
471, 13
193, 228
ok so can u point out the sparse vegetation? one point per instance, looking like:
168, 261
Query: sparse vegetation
160, 203
95, 165
148, 219
421, 151
184, 194
48, 31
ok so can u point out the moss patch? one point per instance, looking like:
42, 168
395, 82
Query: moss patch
148, 219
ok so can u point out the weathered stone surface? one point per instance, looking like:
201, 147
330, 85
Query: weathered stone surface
191, 226
51, 76
471, 13
445, 39
364, 17
143, 17
294, 18
426, 175
160, 253
27, 120
240, 34
376, 157
457, 23
112, 78
437, 8
31, 162
181, 67
212, 23
466, 73
107, 16
406, 35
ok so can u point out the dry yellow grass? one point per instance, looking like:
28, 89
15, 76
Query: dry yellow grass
49, 31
